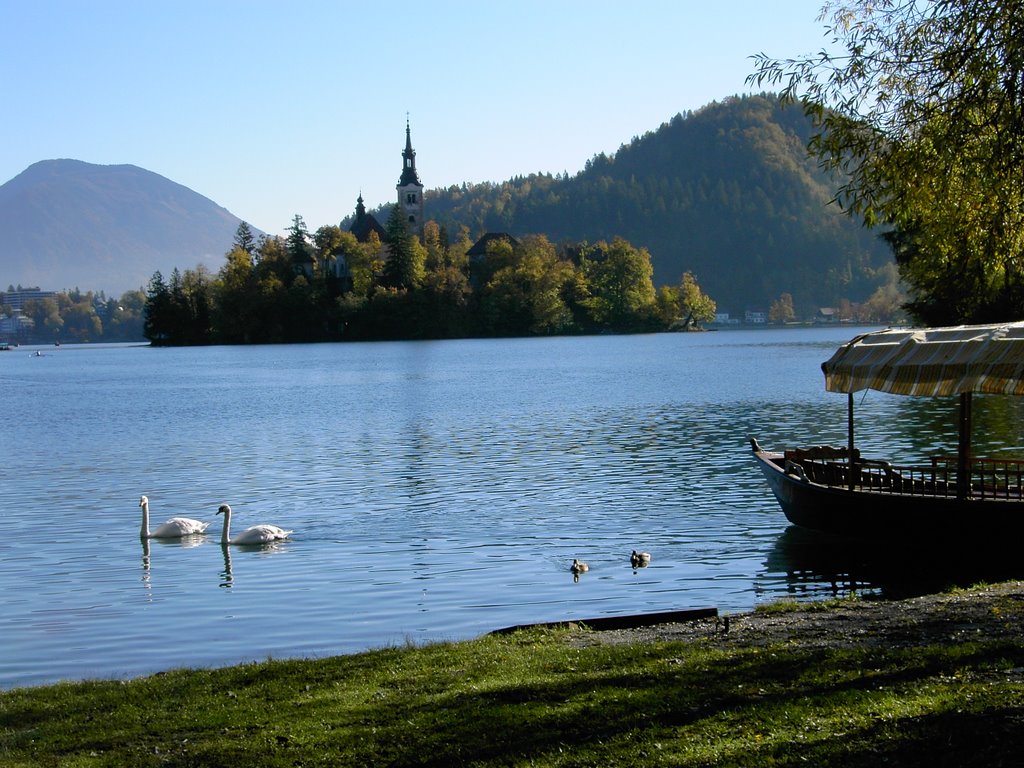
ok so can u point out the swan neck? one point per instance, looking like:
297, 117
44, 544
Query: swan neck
225, 532
144, 532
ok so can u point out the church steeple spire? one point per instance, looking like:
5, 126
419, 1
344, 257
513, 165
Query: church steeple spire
409, 175
410, 189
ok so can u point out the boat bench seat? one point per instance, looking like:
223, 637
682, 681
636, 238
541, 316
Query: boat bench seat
822, 452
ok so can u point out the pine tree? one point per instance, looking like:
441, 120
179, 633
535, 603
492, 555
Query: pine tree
405, 262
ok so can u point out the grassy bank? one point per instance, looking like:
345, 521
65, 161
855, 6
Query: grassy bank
553, 697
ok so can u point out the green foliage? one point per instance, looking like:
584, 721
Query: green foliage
298, 246
693, 302
76, 317
244, 239
158, 309
727, 192
922, 113
523, 293
406, 257
405, 289
179, 312
619, 278
685, 306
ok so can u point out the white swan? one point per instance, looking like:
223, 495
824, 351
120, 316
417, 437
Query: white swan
174, 528
256, 534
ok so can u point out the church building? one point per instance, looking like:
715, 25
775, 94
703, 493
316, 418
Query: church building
410, 199
410, 190
365, 223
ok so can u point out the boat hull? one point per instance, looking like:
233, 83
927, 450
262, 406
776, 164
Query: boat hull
874, 514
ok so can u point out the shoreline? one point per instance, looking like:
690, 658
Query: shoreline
988, 612
935, 680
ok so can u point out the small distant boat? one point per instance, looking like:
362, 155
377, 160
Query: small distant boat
836, 490
5, 346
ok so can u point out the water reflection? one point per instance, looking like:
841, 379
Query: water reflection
183, 542
227, 578
817, 564
227, 575
145, 563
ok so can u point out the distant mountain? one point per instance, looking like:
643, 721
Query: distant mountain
67, 224
726, 192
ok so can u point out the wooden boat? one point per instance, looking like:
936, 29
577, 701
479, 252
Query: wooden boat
836, 490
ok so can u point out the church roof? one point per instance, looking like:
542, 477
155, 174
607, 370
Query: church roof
365, 223
479, 248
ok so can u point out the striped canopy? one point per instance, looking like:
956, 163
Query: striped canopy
931, 362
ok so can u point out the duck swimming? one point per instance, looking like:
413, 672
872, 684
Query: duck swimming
640, 559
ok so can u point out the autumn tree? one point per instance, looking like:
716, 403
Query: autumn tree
524, 294
46, 315
920, 108
620, 280
81, 323
234, 297
781, 310
693, 302
443, 300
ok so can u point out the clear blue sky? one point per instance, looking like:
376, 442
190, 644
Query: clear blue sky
273, 109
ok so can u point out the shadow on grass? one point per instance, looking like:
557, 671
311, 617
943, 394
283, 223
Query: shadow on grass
601, 716
536, 699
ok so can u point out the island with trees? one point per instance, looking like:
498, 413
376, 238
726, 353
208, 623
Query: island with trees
329, 286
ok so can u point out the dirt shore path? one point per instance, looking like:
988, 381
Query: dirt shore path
984, 613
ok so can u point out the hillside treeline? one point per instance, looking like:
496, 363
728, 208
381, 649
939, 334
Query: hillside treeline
328, 286
727, 193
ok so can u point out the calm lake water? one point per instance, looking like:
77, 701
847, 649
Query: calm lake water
438, 490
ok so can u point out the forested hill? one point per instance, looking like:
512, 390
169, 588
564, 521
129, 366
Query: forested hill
726, 192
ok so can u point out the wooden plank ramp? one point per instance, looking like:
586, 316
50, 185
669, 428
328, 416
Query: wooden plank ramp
630, 621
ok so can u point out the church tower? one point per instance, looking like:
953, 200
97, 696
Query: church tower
410, 190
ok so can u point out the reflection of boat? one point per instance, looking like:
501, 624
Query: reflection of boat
835, 489
817, 564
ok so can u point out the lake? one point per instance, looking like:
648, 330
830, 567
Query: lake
437, 490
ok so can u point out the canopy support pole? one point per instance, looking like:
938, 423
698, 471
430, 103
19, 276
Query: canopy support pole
963, 453
849, 437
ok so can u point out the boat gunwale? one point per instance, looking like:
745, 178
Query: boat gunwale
905, 481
